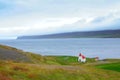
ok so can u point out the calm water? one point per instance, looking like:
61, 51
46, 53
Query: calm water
91, 47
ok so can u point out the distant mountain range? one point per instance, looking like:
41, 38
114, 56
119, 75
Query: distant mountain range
85, 34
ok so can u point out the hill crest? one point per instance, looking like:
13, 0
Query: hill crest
85, 34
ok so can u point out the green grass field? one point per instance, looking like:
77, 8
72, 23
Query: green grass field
110, 66
59, 68
27, 71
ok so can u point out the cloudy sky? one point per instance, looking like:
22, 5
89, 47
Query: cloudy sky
32, 17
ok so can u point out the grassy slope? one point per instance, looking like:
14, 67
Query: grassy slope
22, 71
10, 53
56, 68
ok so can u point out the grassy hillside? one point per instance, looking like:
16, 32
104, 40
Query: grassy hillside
29, 66
10, 53
22, 71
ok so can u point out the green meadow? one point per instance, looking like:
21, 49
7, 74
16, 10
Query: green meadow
110, 66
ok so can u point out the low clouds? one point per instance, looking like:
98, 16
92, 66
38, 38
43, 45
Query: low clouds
106, 22
18, 26
36, 26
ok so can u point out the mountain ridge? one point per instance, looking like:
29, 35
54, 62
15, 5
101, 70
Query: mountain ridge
78, 34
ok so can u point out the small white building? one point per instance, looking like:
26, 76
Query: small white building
81, 58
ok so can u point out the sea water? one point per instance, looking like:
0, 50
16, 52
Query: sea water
90, 47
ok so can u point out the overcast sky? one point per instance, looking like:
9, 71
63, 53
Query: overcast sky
33, 17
